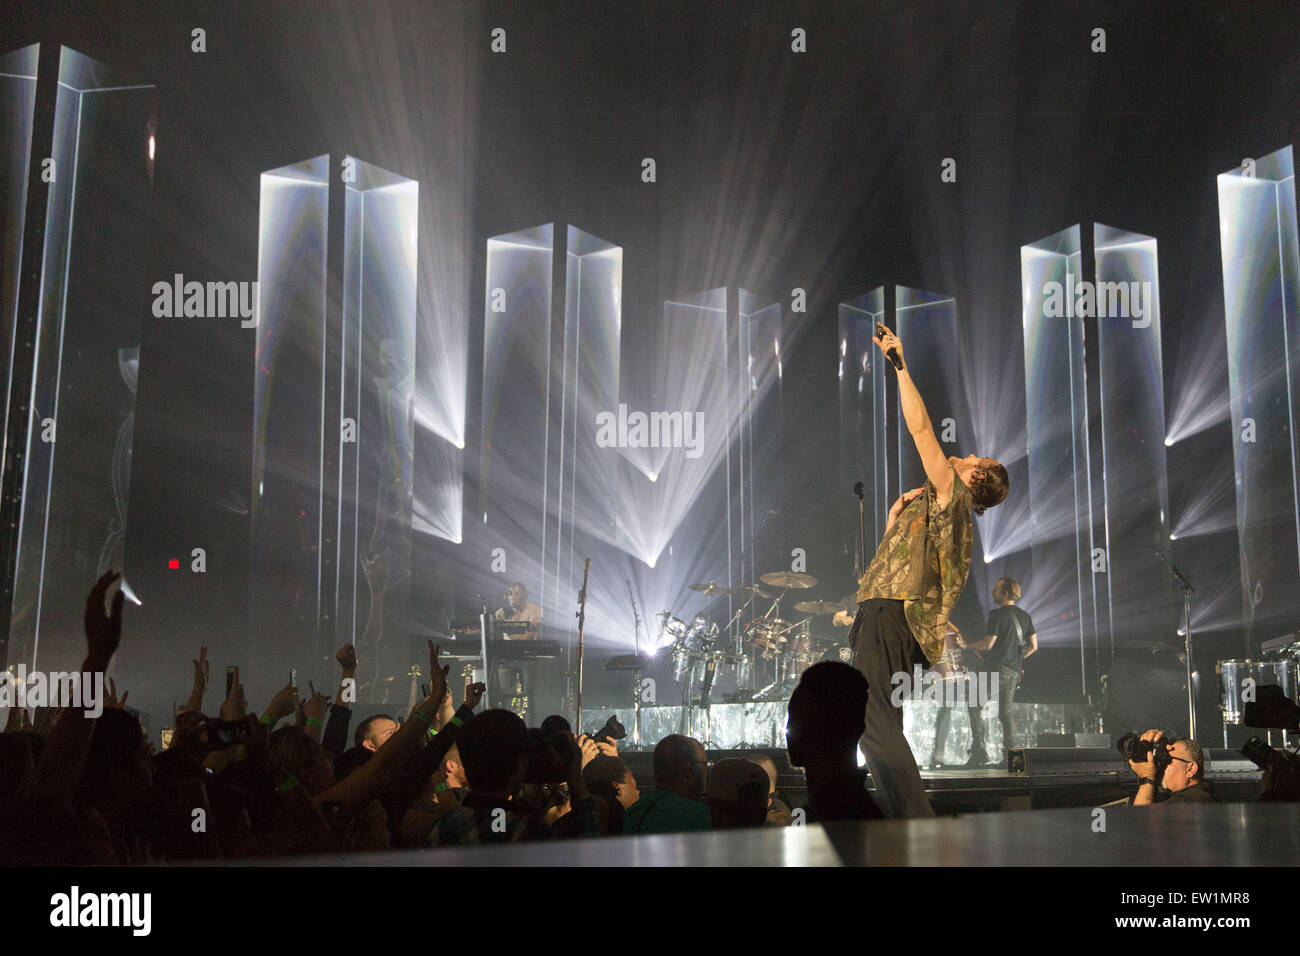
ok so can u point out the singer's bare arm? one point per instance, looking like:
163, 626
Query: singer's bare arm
933, 460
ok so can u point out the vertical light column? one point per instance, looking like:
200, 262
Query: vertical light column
685, 372
83, 355
1056, 421
926, 322
18, 106
289, 429
1131, 385
864, 453
376, 441
757, 483
1261, 266
516, 399
680, 368
583, 501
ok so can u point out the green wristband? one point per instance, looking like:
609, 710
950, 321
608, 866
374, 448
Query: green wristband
422, 715
288, 783
266, 719
456, 720
441, 787
314, 722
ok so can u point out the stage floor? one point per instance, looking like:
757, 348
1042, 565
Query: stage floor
1170, 836
1233, 834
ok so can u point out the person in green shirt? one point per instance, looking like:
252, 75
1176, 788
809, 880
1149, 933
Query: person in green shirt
676, 803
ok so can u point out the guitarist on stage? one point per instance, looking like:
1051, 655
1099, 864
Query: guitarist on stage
1009, 641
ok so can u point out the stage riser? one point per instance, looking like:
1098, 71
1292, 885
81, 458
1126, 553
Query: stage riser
762, 725
988, 791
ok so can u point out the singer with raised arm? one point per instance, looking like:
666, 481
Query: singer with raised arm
912, 585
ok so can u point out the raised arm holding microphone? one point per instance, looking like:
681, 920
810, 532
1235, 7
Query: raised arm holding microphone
912, 585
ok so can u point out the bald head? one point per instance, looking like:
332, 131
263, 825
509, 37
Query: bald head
681, 766
768, 764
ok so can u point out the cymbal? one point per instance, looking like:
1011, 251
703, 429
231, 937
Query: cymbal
747, 589
819, 607
710, 588
788, 579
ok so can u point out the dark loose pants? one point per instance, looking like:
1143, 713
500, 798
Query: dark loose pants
883, 646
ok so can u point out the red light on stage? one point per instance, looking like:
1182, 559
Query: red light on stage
173, 564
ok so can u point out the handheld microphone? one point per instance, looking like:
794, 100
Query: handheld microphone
882, 330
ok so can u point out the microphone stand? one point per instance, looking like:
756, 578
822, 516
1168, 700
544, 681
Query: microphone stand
636, 675
861, 564
484, 625
582, 620
1188, 591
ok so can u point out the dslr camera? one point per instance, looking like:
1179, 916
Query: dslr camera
1132, 747
1273, 710
612, 730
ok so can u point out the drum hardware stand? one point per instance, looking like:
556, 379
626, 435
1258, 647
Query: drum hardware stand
1188, 591
735, 618
778, 660
706, 691
738, 640
684, 725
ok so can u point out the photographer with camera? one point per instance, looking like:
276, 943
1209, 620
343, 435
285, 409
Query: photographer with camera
500, 755
1167, 773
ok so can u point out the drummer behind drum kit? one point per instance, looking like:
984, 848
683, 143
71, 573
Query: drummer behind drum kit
768, 647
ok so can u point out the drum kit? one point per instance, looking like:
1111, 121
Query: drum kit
1238, 679
766, 647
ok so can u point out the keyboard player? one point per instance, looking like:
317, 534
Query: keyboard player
519, 608
514, 680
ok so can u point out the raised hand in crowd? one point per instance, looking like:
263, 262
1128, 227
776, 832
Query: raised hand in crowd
313, 712
588, 748
61, 765
474, 695
281, 706
201, 674
234, 707
347, 658
111, 699
103, 628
